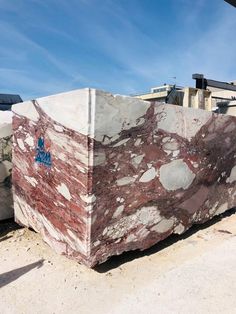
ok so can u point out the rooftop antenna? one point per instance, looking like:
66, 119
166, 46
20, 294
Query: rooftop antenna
174, 77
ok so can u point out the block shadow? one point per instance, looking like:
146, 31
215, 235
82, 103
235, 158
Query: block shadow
118, 260
13, 275
7, 226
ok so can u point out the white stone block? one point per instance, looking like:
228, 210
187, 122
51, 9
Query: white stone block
6, 204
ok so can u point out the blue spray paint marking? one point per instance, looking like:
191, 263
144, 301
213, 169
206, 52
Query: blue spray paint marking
43, 157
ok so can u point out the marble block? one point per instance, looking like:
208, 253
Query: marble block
6, 202
98, 174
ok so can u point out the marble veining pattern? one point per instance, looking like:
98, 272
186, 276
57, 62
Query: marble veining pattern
123, 173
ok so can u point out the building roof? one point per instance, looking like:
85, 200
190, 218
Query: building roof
8, 99
232, 2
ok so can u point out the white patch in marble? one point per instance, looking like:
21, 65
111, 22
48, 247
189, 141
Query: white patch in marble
179, 229
88, 198
174, 145
140, 121
120, 199
89, 208
232, 176
72, 147
213, 209
21, 210
61, 204
31, 180
125, 181
116, 164
99, 159
77, 244
96, 243
21, 144
176, 175
50, 228
166, 139
106, 141
175, 153
142, 233
30, 141
82, 157
221, 209
137, 160
164, 225
83, 111
94, 218
121, 112
58, 128
131, 238
80, 168
168, 152
71, 109
64, 191
122, 142
147, 215
186, 122
62, 156
104, 231
26, 109
118, 211
149, 175
137, 142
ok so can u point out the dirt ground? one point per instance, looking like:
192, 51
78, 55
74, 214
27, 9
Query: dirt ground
194, 273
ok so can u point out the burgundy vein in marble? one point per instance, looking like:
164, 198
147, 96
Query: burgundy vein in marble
98, 174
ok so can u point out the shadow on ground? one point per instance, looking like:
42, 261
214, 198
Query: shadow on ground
116, 261
12, 275
7, 226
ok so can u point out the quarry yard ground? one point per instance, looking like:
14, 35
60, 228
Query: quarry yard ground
193, 273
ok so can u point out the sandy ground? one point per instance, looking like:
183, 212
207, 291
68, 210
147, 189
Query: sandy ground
195, 273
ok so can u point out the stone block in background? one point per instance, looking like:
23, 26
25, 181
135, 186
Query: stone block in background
98, 174
6, 202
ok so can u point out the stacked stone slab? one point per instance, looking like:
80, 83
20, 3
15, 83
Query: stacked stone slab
6, 202
98, 174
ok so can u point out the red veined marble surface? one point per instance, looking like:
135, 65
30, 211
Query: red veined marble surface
123, 173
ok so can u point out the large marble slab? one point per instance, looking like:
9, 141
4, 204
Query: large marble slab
98, 174
6, 202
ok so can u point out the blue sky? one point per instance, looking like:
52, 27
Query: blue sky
121, 46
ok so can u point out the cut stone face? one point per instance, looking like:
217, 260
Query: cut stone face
98, 174
6, 202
